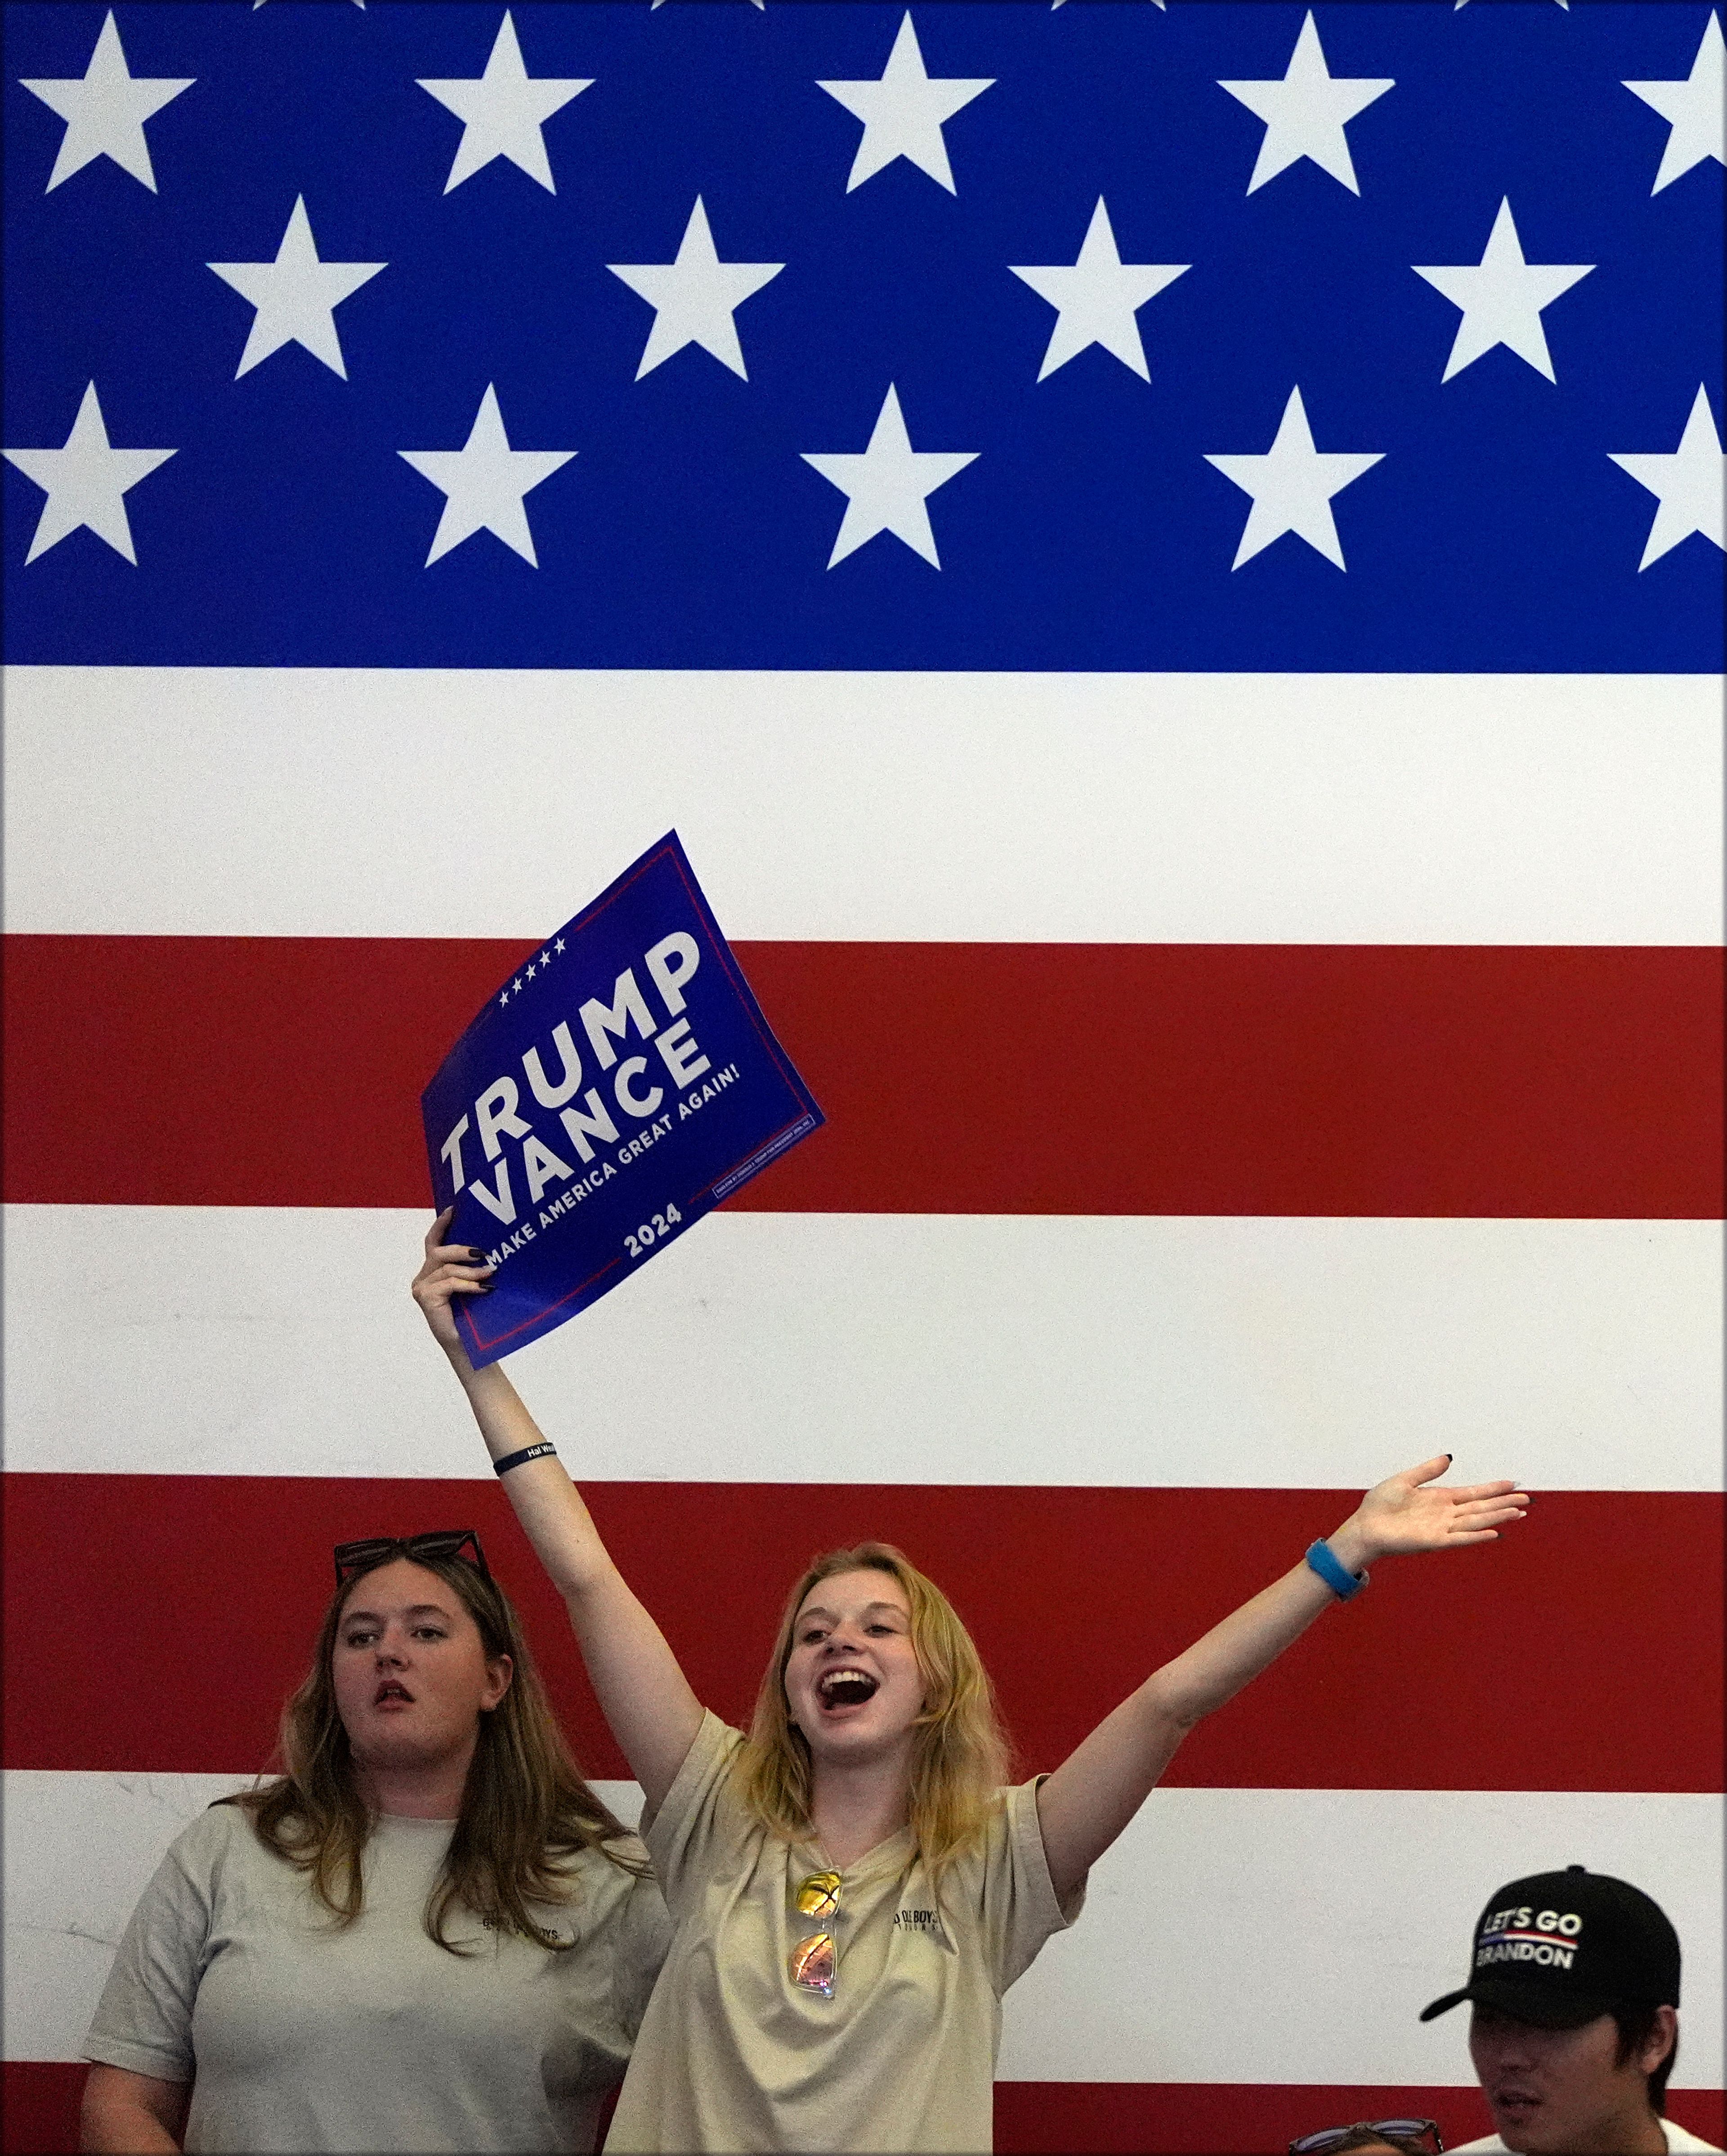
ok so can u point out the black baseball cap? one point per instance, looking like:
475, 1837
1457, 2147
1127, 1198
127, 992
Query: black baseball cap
1561, 1948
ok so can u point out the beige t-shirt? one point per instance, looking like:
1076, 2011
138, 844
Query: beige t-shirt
298, 2036
733, 2056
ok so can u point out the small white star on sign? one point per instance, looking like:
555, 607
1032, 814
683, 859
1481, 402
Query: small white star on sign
295, 296
86, 480
545, 957
1292, 485
888, 485
903, 112
1689, 484
104, 110
1695, 108
505, 111
558, 945
1502, 298
505, 998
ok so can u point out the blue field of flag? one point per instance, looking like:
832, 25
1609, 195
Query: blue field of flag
1402, 351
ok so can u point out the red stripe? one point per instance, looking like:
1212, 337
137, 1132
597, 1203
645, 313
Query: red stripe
39, 2115
995, 1078
1154, 2118
155, 1623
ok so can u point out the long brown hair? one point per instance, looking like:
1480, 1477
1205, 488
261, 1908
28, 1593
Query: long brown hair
526, 1812
960, 1757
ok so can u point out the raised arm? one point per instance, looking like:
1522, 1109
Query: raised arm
642, 1693
1091, 1797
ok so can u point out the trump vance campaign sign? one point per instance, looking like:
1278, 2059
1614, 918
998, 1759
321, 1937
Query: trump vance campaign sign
612, 1091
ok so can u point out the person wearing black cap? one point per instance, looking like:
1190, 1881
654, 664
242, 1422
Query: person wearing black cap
1574, 1981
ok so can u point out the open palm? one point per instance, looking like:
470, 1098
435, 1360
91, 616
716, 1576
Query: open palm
1408, 1512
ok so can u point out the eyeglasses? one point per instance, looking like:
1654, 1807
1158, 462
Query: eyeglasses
810, 1964
1401, 2129
377, 1549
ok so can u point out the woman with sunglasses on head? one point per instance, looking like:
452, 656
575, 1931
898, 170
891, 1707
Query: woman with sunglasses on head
852, 1887
427, 1934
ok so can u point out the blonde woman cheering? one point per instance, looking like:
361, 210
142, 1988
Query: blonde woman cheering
853, 1889
428, 1934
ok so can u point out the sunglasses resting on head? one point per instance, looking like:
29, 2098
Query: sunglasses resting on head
1410, 2134
375, 1550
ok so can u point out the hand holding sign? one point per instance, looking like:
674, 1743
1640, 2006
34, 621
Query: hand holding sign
615, 1090
449, 1270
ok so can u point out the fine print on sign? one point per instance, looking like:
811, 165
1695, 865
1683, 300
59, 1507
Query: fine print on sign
614, 1089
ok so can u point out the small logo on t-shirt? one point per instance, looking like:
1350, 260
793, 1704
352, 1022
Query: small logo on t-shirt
545, 1935
916, 1920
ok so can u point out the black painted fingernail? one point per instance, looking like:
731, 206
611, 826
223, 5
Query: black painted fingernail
1450, 1455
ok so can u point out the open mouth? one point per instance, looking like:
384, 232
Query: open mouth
841, 1688
389, 1692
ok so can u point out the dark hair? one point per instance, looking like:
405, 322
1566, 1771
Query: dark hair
1636, 2025
527, 1811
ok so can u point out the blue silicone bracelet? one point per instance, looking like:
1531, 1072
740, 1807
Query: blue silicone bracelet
1343, 1583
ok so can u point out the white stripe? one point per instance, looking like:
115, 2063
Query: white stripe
1231, 1935
1121, 808
794, 1347
1273, 1935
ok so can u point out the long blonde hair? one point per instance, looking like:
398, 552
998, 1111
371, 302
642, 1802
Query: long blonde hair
959, 1757
527, 1811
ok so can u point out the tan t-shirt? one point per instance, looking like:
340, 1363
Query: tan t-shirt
298, 2036
733, 2056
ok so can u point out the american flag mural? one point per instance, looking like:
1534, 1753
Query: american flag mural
1165, 563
